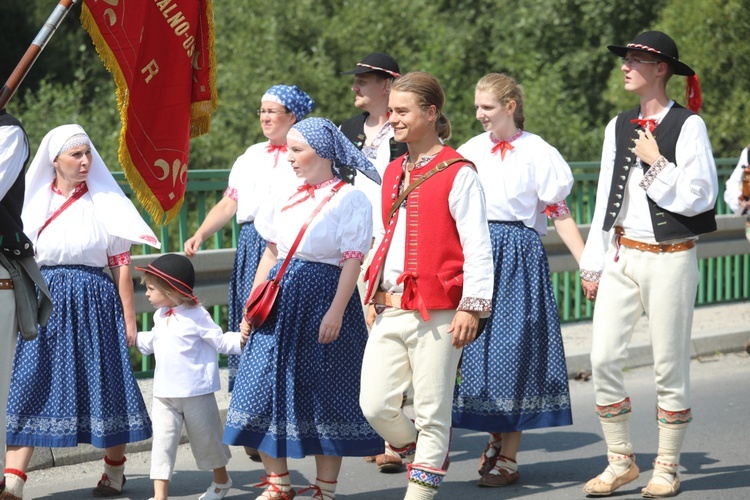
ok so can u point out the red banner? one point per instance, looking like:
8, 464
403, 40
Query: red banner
161, 54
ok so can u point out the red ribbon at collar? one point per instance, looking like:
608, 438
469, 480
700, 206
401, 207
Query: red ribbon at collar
168, 312
310, 194
504, 147
277, 149
647, 123
411, 296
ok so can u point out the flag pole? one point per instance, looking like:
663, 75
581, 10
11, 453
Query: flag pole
36, 47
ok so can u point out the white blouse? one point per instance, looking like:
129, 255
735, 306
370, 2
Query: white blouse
259, 177
733, 188
185, 344
687, 187
76, 236
342, 229
531, 177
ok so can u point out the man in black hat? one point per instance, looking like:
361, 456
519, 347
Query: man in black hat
372, 134
14, 245
656, 194
370, 130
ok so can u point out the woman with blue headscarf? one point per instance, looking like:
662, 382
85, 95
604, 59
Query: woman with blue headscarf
258, 176
297, 388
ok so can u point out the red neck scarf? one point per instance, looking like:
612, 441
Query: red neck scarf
647, 123
277, 149
504, 146
309, 192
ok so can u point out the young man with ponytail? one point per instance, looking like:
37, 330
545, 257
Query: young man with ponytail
656, 194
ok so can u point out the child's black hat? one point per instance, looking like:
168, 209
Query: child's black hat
176, 270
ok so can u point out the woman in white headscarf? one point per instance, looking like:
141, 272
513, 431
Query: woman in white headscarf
78, 370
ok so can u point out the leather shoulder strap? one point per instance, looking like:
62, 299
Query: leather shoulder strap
438, 168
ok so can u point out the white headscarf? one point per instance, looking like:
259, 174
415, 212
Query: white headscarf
111, 206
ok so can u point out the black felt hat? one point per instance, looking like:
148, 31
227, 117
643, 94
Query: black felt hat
176, 270
656, 42
377, 62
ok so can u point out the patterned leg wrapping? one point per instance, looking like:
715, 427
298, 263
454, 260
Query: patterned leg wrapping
615, 420
672, 428
278, 487
322, 490
424, 482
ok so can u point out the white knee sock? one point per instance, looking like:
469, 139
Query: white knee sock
616, 430
672, 429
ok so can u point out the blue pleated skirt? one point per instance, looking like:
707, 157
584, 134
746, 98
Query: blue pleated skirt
250, 247
513, 377
293, 396
74, 383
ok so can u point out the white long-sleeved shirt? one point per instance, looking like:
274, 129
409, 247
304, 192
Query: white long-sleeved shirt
689, 186
12, 155
733, 188
186, 344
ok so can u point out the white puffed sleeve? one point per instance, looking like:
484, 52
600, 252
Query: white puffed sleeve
552, 176
354, 232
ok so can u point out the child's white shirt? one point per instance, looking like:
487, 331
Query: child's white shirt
186, 342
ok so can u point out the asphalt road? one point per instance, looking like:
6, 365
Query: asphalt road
554, 463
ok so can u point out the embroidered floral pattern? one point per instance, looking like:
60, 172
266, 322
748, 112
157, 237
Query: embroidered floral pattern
557, 210
614, 410
650, 175
72, 426
300, 429
674, 417
592, 276
231, 192
512, 406
475, 304
352, 255
371, 151
122, 259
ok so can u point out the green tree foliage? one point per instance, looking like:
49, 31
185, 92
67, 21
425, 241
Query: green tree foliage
555, 48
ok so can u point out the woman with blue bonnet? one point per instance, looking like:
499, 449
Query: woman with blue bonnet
257, 179
297, 388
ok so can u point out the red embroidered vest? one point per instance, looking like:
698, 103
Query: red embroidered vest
433, 258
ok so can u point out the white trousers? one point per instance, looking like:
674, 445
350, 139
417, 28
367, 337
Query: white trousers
8, 336
403, 349
204, 429
663, 285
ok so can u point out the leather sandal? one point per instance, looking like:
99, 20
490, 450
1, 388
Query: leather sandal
599, 488
103, 488
658, 490
487, 463
389, 463
504, 477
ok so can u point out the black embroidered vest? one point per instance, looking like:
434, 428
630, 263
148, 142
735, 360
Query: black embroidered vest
354, 130
666, 225
13, 242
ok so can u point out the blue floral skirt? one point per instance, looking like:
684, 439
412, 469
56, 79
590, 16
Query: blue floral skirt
250, 248
513, 377
74, 383
293, 396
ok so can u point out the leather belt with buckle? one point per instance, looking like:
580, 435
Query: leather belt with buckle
655, 248
387, 299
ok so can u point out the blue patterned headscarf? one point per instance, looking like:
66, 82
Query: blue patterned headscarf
328, 141
292, 97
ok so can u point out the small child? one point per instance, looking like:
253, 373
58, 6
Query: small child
185, 341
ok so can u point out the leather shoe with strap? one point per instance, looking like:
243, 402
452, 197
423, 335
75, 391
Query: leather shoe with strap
503, 477
389, 463
599, 488
659, 490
